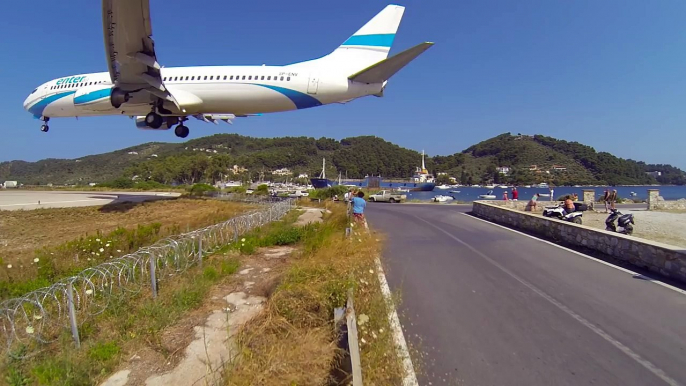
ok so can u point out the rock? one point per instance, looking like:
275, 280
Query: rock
120, 378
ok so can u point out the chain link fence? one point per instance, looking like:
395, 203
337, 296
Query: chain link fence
40, 316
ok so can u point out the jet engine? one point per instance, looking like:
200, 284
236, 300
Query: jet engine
167, 124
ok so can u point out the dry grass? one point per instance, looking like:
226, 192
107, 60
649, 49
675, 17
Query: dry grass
23, 232
293, 341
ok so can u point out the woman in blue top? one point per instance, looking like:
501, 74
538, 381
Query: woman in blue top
358, 207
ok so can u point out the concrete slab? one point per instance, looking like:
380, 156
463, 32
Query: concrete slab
28, 199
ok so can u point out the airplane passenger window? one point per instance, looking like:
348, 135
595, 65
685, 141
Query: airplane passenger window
192, 77
186, 78
288, 79
231, 78
164, 79
282, 78
243, 77
211, 77
262, 78
205, 77
224, 77
249, 77
269, 77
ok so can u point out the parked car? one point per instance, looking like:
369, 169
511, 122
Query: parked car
387, 196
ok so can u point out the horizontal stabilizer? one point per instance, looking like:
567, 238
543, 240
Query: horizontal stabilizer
385, 69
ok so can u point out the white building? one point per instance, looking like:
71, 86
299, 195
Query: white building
303, 175
654, 174
505, 170
282, 172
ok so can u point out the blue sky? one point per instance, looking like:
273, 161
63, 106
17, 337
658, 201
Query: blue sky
610, 74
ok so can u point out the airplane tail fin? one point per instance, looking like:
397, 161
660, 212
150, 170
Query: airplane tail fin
370, 44
382, 71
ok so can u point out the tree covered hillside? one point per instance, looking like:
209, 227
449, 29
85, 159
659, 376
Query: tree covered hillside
526, 159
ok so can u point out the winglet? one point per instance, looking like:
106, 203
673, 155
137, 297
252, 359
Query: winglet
385, 69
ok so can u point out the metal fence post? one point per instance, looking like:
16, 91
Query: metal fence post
72, 315
200, 250
153, 278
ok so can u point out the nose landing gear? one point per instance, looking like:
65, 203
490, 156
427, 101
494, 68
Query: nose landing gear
44, 127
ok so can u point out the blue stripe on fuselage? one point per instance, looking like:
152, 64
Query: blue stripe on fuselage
301, 101
375, 40
38, 108
92, 96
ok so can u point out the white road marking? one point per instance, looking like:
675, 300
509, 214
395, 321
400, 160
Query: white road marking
410, 378
619, 345
632, 273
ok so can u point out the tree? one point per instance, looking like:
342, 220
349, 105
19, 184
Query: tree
443, 179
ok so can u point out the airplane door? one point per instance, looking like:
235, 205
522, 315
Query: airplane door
313, 85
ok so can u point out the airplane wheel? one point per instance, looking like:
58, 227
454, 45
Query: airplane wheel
44, 128
181, 131
153, 120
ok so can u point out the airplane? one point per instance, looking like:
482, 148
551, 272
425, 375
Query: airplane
160, 98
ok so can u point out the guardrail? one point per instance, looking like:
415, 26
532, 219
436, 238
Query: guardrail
40, 316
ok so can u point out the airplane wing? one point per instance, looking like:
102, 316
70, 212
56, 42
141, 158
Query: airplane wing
130, 50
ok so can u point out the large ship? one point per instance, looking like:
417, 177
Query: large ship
322, 182
422, 180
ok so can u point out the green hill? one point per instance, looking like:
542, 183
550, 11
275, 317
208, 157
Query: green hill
213, 157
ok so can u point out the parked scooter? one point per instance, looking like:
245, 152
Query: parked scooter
560, 213
625, 221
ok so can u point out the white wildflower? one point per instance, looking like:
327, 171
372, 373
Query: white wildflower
29, 329
363, 341
381, 331
98, 240
36, 260
38, 317
243, 240
371, 271
89, 292
107, 245
97, 254
102, 249
9, 266
119, 250
92, 253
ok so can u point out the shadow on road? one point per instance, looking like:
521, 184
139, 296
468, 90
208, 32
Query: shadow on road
642, 273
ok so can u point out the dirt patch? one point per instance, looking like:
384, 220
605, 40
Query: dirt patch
22, 232
663, 227
311, 216
195, 350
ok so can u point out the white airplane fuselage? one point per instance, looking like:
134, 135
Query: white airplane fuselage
136, 85
240, 90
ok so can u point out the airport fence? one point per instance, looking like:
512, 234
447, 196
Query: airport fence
39, 317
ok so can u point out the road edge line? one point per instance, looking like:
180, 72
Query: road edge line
625, 270
410, 377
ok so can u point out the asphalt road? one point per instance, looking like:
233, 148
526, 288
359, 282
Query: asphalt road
12, 199
482, 305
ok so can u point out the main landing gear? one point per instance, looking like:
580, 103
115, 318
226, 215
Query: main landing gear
44, 127
181, 131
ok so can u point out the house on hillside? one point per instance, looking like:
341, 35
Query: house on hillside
303, 175
533, 168
238, 169
282, 172
504, 170
559, 168
654, 174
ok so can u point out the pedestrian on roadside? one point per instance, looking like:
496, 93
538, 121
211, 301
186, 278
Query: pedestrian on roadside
552, 194
606, 199
505, 196
613, 198
515, 194
358, 208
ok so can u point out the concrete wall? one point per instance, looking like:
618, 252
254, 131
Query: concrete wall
656, 202
665, 259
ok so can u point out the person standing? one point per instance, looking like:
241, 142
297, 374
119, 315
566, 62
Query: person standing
606, 199
552, 194
358, 208
613, 198
515, 194
533, 202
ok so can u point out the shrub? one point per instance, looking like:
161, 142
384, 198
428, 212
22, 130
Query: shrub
201, 189
262, 190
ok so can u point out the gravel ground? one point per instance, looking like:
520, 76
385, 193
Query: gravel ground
664, 227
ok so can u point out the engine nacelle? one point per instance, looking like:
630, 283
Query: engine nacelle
168, 123
93, 98
118, 97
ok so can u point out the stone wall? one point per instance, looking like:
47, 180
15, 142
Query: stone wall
656, 202
664, 259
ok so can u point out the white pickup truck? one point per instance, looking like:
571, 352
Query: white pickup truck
387, 196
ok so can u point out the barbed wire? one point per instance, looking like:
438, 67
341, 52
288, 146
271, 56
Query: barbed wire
40, 316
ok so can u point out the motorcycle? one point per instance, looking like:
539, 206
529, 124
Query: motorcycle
560, 213
625, 221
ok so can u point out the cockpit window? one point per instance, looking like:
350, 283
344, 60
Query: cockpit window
34, 91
